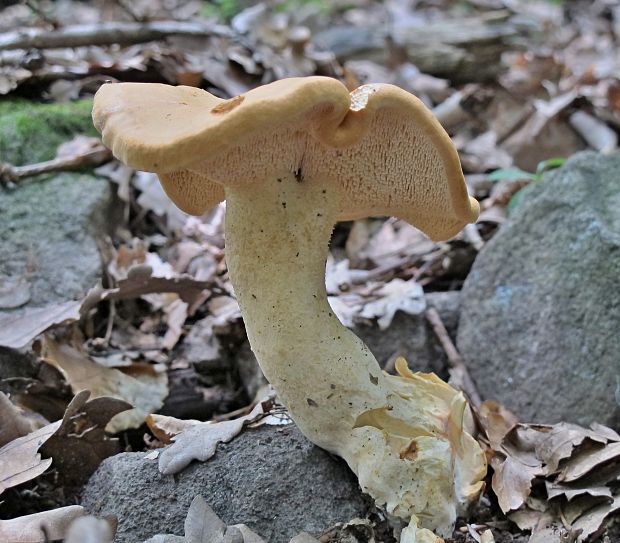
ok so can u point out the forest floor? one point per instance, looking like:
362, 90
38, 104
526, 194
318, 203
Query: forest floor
131, 299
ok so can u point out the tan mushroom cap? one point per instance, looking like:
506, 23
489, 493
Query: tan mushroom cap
379, 146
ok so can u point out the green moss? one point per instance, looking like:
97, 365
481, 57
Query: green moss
31, 132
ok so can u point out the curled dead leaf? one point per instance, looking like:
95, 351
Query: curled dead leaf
40, 527
143, 386
20, 460
200, 441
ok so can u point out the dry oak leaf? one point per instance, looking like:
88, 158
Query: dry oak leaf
200, 441
512, 481
592, 522
555, 490
40, 527
20, 460
562, 440
80, 444
202, 525
140, 385
515, 465
496, 421
586, 460
17, 331
166, 428
396, 295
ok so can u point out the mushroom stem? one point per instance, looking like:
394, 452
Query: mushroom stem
405, 437
277, 237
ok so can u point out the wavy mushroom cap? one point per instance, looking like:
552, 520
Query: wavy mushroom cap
381, 149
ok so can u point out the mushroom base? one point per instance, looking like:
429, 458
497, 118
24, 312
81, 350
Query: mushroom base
407, 437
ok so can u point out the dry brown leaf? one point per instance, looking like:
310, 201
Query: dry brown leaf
28, 529
202, 525
352, 301
20, 460
166, 428
80, 443
304, 537
118, 173
535, 512
14, 423
482, 154
494, 215
497, 421
512, 481
592, 522
582, 495
200, 441
141, 281
578, 506
555, 533
146, 389
561, 441
18, 330
224, 309
544, 134
393, 238
569, 492
586, 460
605, 431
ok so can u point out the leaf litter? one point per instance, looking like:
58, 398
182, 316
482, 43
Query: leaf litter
555, 480
166, 274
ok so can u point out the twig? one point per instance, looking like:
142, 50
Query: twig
110, 325
458, 370
10, 174
107, 34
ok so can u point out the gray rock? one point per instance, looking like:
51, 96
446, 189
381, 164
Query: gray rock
49, 230
270, 478
540, 319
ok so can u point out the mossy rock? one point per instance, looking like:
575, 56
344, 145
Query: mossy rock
50, 223
31, 132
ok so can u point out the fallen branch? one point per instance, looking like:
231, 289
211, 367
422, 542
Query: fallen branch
10, 174
459, 376
107, 34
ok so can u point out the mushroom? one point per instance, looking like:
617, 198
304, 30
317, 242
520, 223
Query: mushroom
291, 159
